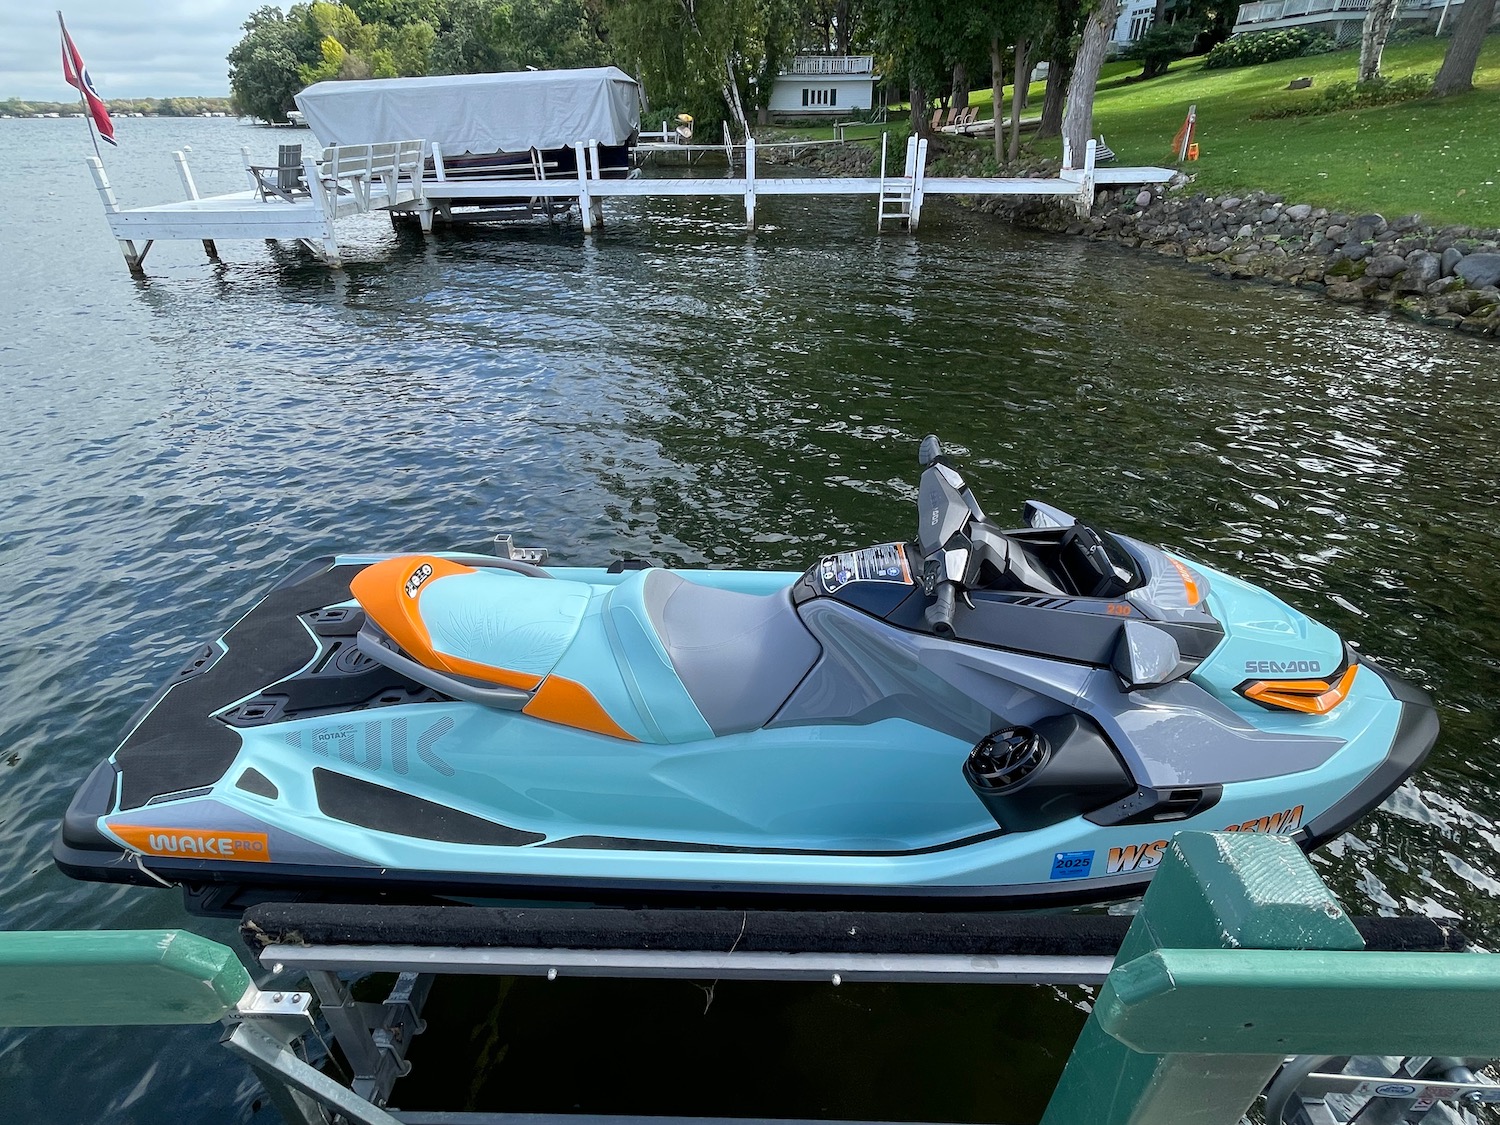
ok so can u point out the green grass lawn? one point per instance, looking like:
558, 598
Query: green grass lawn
1439, 158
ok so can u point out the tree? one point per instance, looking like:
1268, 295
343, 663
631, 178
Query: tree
1078, 117
1379, 19
1456, 75
710, 56
1061, 47
1161, 45
264, 66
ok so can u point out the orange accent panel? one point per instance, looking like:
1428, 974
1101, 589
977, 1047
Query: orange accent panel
571, 704
1193, 593
195, 843
386, 592
1311, 697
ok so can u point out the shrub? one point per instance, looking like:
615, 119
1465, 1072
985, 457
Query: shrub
1356, 95
1268, 46
1161, 45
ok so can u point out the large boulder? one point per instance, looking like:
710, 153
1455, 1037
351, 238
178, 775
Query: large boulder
1451, 257
1423, 267
1299, 212
1479, 270
1385, 265
1367, 228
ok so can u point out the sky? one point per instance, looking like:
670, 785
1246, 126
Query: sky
133, 48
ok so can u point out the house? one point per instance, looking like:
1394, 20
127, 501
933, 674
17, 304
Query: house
824, 86
1136, 18
1341, 19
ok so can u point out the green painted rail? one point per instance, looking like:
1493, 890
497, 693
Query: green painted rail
1239, 957
116, 977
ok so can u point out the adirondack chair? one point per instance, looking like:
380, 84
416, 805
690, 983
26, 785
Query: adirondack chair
284, 179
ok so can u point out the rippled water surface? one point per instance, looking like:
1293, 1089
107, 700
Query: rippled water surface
676, 389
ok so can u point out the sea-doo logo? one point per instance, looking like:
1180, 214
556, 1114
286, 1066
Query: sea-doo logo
1277, 667
418, 576
196, 843
1277, 824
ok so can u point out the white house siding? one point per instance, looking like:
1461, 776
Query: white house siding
813, 95
1136, 17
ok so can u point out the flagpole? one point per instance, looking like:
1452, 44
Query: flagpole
83, 100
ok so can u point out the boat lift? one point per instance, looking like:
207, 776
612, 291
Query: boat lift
1240, 975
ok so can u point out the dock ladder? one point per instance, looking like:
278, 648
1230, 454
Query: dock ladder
901, 198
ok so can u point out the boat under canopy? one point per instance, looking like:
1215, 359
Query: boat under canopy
479, 113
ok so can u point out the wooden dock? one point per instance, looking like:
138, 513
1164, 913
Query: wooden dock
302, 203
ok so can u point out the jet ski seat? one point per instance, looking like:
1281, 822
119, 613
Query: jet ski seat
739, 655
654, 658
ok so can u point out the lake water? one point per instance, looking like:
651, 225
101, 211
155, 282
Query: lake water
678, 390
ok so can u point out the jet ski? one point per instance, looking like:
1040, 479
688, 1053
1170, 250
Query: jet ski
976, 718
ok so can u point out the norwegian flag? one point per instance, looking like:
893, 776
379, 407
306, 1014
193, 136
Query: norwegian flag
77, 76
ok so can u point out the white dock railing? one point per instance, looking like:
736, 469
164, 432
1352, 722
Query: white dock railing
350, 179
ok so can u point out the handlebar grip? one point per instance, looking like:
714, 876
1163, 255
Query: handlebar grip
940, 613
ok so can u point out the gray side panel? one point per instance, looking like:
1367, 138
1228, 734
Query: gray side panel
739, 655
872, 671
1179, 734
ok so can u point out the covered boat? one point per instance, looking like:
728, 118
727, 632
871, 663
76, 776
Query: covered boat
521, 123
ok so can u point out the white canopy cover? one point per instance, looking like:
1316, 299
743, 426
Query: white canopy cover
509, 112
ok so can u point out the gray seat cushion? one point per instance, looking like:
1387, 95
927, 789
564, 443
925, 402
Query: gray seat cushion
739, 655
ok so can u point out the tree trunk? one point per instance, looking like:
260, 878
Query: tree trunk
1159, 15
920, 126
1377, 29
997, 93
1058, 72
960, 98
841, 25
732, 97
1457, 72
1023, 67
1078, 117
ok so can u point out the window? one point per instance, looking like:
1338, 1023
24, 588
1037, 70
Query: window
805, 92
833, 95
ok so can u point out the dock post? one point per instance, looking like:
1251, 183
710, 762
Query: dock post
749, 183
192, 193
328, 247
1086, 185
595, 202
585, 197
919, 177
134, 259
1246, 891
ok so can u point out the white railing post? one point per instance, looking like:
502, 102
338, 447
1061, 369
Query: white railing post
1086, 184
327, 246
919, 177
186, 174
749, 183
133, 258
439, 170
585, 199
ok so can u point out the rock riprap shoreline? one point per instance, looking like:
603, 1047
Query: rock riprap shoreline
1447, 276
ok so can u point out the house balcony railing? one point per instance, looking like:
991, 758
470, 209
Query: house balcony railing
833, 64
1269, 11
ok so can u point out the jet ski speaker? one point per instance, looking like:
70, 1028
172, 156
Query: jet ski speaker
1030, 777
